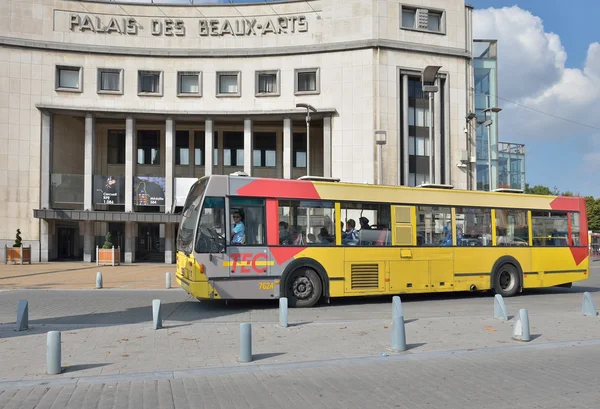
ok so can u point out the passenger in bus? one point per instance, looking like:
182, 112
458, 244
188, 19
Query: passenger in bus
311, 238
364, 223
324, 237
284, 233
238, 230
350, 238
448, 236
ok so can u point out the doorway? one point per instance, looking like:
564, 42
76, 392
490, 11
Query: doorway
66, 243
148, 247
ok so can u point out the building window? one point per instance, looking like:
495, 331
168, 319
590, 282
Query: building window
116, 147
307, 81
69, 79
150, 83
429, 20
148, 147
299, 150
189, 84
182, 148
110, 81
199, 148
265, 147
267, 83
233, 149
228, 84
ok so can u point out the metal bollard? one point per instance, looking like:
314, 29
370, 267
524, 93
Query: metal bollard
22, 315
156, 314
588, 308
500, 308
397, 307
98, 279
521, 331
168, 281
398, 335
53, 353
245, 342
283, 312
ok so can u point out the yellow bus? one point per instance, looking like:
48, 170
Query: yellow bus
310, 240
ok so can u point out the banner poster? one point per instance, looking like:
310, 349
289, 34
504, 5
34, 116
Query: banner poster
148, 191
109, 190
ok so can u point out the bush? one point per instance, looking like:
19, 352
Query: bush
107, 242
18, 239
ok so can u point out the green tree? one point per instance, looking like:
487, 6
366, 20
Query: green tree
18, 239
540, 190
593, 213
107, 241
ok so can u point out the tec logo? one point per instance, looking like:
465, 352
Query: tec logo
248, 263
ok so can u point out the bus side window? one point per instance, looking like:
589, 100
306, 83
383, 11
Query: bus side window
251, 231
550, 228
512, 227
473, 226
366, 224
434, 226
306, 223
575, 230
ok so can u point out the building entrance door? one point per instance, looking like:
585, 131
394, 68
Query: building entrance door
148, 244
66, 243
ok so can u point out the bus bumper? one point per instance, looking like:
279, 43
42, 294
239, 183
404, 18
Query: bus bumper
197, 289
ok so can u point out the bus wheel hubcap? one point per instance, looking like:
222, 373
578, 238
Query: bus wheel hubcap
302, 288
506, 281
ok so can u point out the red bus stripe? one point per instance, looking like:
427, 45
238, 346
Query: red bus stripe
272, 222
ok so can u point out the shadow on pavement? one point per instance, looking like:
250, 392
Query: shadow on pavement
258, 357
82, 367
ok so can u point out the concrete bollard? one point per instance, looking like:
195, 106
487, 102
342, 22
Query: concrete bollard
398, 335
283, 312
397, 307
500, 308
521, 331
245, 342
22, 315
156, 314
588, 308
168, 281
98, 279
53, 353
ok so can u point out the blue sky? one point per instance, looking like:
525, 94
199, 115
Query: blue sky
549, 61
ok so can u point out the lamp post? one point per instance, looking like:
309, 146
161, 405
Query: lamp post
380, 140
428, 83
488, 123
308, 108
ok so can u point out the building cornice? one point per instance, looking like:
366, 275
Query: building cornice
237, 52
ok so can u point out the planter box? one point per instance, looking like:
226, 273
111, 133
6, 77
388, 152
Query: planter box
17, 255
108, 257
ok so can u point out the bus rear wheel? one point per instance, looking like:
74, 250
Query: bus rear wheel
506, 280
303, 288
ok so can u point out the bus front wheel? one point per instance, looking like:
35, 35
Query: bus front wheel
506, 280
303, 288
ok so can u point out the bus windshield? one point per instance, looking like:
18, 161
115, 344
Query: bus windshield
211, 226
185, 235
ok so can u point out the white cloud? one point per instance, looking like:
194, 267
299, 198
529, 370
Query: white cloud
532, 72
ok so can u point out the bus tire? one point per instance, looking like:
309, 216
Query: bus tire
507, 280
303, 288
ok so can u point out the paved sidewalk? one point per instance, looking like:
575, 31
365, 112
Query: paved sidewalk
79, 275
526, 377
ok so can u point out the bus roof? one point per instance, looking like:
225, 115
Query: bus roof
344, 191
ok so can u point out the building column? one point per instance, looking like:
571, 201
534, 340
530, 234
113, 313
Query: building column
403, 176
130, 160
129, 242
88, 162
248, 147
169, 243
208, 147
287, 148
446, 113
327, 147
89, 249
46, 167
169, 164
437, 135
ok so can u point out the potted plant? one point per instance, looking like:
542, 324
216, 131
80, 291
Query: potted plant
17, 253
108, 254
